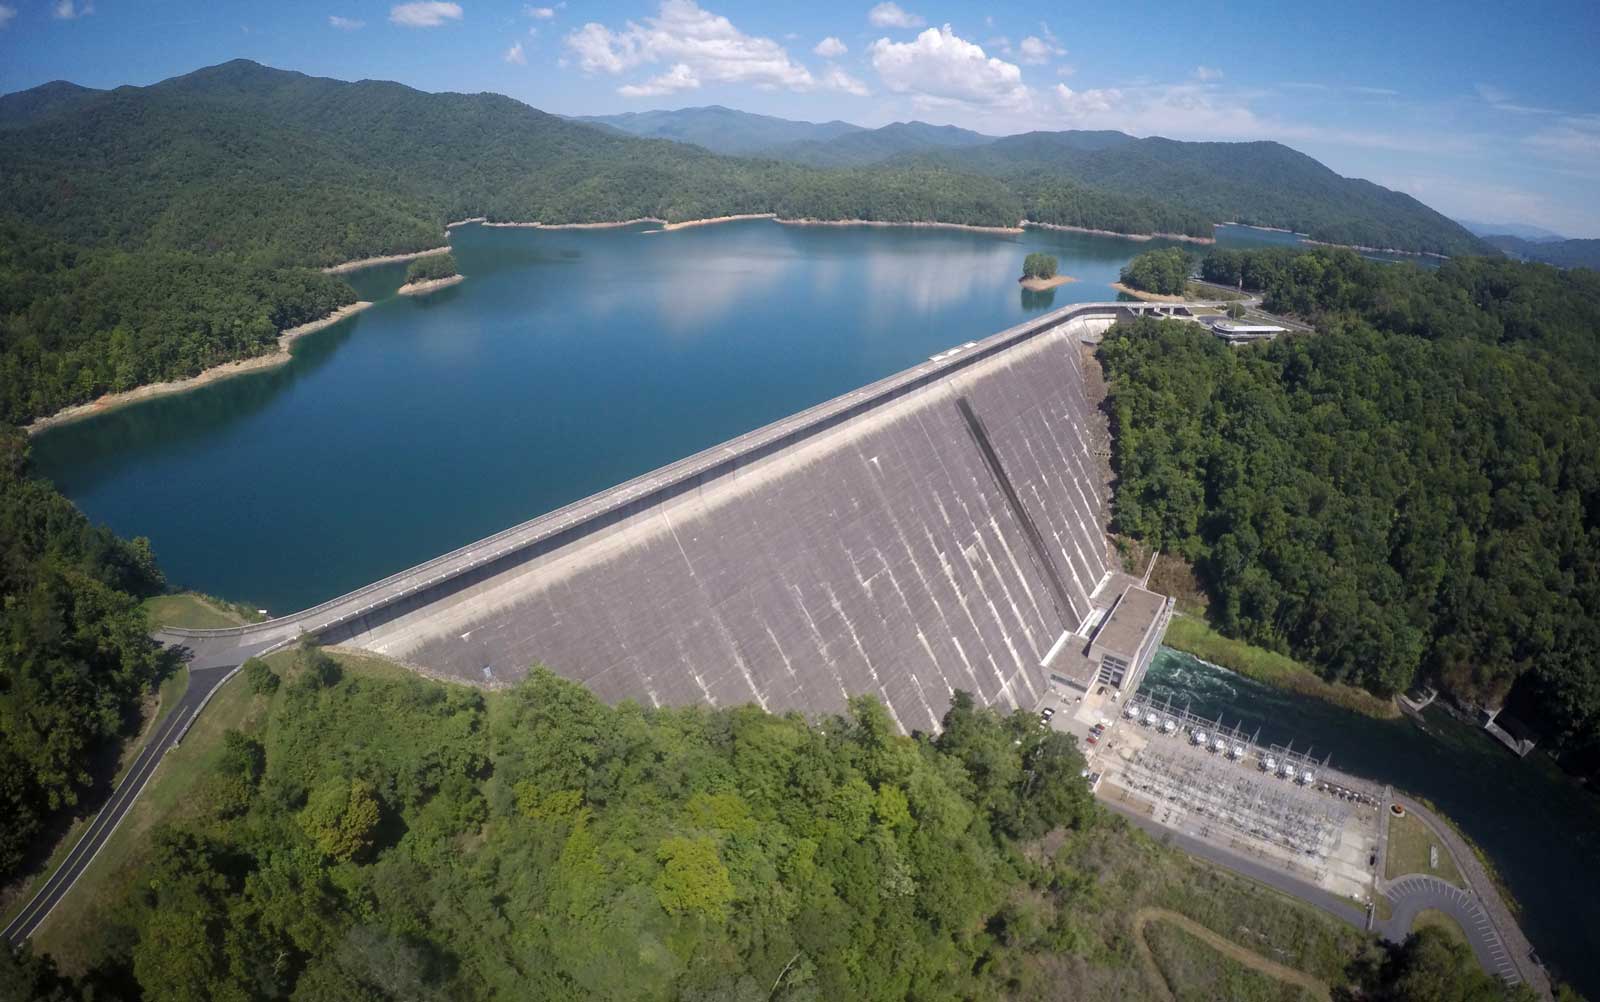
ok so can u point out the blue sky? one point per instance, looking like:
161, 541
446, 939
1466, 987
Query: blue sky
1485, 111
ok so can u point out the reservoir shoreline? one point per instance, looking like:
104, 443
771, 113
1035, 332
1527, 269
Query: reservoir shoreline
226, 370
432, 285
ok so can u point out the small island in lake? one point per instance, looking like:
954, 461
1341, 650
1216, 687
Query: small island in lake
430, 273
1039, 273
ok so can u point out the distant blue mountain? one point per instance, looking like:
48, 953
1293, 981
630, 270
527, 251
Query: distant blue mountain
1524, 231
721, 130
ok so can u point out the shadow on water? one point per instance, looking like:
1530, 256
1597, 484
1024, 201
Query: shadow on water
1037, 301
1541, 830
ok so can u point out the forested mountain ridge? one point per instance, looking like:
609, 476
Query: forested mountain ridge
857, 149
1258, 183
722, 130
1561, 253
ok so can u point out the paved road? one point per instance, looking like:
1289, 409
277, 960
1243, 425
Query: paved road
1414, 893
203, 680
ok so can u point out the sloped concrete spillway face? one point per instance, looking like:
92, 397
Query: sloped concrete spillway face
897, 552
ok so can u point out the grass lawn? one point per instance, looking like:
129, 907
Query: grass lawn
1432, 918
1409, 842
1186, 633
191, 611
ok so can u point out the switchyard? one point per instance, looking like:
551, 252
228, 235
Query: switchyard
1274, 803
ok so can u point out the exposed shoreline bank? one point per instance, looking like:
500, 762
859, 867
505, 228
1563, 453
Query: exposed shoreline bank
1041, 284
432, 285
112, 401
1141, 237
368, 262
1149, 297
1377, 250
916, 224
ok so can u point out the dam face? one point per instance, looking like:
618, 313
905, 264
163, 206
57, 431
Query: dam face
937, 535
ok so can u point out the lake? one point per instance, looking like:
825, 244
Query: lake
567, 362
1541, 830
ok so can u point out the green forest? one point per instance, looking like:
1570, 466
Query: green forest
431, 268
147, 233
1412, 493
369, 835
1165, 271
73, 645
1037, 265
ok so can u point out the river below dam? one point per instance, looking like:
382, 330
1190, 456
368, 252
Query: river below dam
1540, 830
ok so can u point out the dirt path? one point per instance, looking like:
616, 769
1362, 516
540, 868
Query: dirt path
1227, 948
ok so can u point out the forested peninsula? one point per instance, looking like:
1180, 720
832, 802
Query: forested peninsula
149, 233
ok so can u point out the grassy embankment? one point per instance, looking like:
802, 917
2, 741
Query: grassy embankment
1133, 871
1196, 963
1432, 918
1409, 843
1186, 633
194, 611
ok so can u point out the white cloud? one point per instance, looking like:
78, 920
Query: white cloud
541, 13
346, 23
424, 14
1207, 74
889, 15
830, 48
834, 78
66, 10
680, 77
1035, 50
1078, 104
939, 68
6, 14
1568, 140
700, 46
1501, 100
514, 55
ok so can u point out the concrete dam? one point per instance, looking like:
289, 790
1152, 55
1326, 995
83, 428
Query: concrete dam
940, 529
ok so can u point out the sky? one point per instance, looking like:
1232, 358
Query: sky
1485, 111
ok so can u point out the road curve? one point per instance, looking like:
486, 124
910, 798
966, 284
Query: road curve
203, 681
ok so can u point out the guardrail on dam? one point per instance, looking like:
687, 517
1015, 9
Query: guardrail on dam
936, 530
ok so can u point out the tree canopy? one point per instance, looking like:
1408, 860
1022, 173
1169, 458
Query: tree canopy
1164, 271
1412, 492
1039, 265
430, 268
